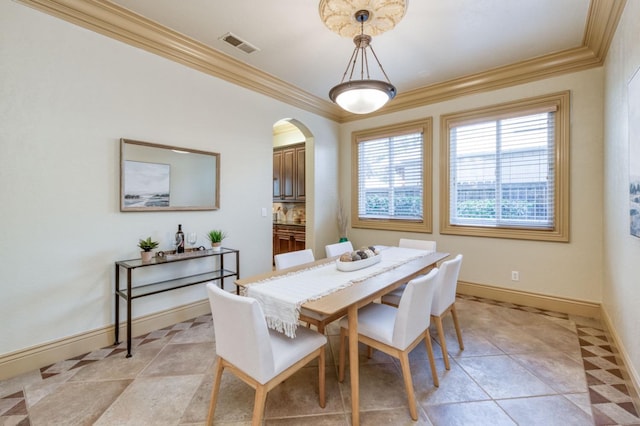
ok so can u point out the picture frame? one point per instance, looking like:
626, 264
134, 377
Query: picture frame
155, 177
634, 154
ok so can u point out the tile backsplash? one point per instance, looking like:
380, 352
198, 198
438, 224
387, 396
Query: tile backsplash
289, 212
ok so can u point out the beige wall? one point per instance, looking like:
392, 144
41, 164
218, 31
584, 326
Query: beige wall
67, 96
569, 270
621, 289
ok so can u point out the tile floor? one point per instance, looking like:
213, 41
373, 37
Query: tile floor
520, 366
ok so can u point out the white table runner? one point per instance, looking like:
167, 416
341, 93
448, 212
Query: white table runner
282, 296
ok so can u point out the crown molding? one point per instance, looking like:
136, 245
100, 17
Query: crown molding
121, 24
546, 66
602, 22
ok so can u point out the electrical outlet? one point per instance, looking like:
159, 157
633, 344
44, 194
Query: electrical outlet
515, 276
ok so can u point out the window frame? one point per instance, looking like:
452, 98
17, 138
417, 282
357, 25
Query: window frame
425, 225
559, 232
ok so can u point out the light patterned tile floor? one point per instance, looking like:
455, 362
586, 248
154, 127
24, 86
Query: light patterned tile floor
520, 366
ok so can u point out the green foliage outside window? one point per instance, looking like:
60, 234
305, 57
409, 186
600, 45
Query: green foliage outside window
405, 206
409, 206
377, 205
482, 209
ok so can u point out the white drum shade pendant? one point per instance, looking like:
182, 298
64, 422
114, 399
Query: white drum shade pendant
357, 92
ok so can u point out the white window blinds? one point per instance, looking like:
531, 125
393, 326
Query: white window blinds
390, 177
502, 171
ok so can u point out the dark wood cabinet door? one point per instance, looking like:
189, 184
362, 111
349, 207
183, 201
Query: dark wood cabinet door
300, 173
298, 241
283, 242
288, 167
277, 174
289, 173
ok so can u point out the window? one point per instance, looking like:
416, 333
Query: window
391, 185
505, 170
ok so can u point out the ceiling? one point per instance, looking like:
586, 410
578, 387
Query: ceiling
437, 40
440, 49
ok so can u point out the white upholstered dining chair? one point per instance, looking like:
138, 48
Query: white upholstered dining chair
260, 357
393, 298
337, 249
396, 331
417, 244
293, 258
444, 300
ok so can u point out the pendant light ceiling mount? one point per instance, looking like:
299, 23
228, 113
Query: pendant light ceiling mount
363, 95
339, 15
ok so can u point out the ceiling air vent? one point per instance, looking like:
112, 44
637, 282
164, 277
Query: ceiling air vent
238, 43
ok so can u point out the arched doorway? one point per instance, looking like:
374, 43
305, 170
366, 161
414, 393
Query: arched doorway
293, 186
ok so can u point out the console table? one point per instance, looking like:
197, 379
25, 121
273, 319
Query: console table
132, 291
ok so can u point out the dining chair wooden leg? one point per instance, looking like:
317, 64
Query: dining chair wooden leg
443, 342
354, 373
408, 383
343, 348
432, 361
259, 404
321, 377
215, 390
454, 314
369, 352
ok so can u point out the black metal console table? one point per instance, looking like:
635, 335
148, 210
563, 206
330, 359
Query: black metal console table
132, 291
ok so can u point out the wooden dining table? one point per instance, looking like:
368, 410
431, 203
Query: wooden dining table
348, 300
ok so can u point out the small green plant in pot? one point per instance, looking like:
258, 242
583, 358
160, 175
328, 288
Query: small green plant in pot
216, 236
146, 246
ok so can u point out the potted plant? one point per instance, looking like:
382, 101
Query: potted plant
216, 236
146, 246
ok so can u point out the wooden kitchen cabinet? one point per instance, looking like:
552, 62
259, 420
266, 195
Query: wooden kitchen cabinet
299, 173
289, 173
288, 238
277, 174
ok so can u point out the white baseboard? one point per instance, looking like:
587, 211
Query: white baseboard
535, 300
33, 358
633, 376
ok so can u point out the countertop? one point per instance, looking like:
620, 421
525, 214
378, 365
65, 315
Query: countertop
289, 223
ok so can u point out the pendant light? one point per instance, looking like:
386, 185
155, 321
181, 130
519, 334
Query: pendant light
364, 95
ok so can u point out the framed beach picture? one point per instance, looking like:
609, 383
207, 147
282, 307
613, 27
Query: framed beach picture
146, 184
634, 154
